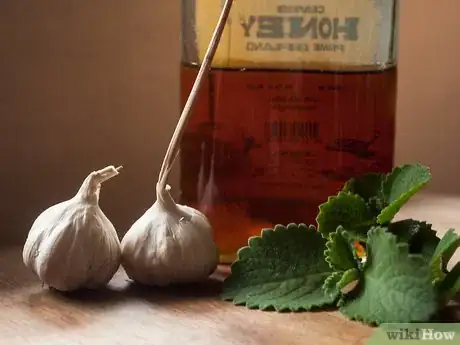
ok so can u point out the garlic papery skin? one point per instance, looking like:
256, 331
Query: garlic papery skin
169, 244
72, 244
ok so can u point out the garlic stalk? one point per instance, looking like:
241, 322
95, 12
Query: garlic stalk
72, 244
172, 243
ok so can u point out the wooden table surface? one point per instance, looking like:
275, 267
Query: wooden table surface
131, 315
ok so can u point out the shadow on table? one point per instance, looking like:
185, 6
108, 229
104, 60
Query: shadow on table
121, 289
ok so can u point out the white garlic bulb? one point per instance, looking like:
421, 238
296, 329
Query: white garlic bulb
173, 243
72, 244
169, 244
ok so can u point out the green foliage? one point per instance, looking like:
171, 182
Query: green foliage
348, 211
368, 187
399, 186
339, 253
283, 269
331, 285
348, 280
449, 287
443, 253
396, 284
402, 278
420, 237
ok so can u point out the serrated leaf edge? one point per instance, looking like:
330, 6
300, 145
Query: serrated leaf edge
330, 242
328, 280
326, 205
348, 184
306, 308
264, 231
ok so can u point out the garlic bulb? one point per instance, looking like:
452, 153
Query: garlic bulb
73, 244
173, 243
168, 244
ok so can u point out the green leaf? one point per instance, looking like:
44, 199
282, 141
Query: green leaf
450, 286
396, 284
331, 284
399, 186
443, 253
340, 252
347, 210
449, 252
341, 283
283, 269
348, 280
422, 239
368, 187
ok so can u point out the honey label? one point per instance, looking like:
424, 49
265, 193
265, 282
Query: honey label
296, 33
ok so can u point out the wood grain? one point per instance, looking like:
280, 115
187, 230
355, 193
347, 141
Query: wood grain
126, 313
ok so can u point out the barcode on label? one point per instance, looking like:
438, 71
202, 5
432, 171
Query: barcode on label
292, 130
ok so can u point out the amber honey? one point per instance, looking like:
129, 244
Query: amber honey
267, 146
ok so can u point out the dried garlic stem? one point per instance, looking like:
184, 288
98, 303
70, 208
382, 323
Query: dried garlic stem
107, 173
90, 187
173, 147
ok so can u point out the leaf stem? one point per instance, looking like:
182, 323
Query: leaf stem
186, 112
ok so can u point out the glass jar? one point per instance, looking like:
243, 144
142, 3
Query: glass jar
300, 98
